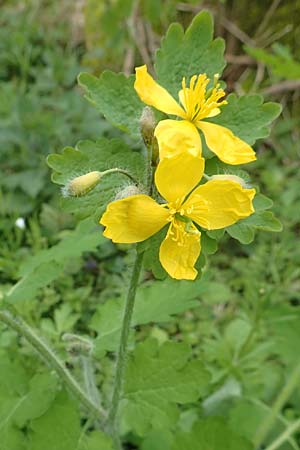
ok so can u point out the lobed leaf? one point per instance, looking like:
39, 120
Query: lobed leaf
156, 302
114, 96
190, 53
157, 380
248, 117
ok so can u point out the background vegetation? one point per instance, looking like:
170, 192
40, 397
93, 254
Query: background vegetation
242, 318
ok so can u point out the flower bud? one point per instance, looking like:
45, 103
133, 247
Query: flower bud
147, 125
128, 191
229, 177
83, 184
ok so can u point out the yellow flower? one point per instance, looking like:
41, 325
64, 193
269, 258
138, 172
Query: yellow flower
195, 104
213, 205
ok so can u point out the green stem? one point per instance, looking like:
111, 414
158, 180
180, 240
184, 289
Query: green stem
123, 172
49, 356
284, 395
284, 436
122, 352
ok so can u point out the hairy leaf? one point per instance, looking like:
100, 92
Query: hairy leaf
114, 96
88, 156
248, 117
190, 53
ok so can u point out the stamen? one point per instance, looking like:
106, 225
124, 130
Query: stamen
199, 102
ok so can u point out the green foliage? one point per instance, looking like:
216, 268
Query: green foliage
155, 302
39, 270
241, 318
210, 434
157, 379
114, 96
186, 54
101, 155
244, 230
48, 432
248, 117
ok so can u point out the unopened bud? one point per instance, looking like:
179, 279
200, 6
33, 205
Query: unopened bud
128, 191
77, 344
147, 125
233, 178
80, 186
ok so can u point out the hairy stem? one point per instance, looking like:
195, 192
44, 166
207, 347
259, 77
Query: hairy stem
283, 396
17, 324
123, 172
122, 352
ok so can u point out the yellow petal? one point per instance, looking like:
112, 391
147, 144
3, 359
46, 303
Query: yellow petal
179, 251
219, 204
155, 95
228, 147
175, 177
133, 219
177, 136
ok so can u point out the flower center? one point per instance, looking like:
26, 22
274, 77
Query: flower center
181, 226
197, 101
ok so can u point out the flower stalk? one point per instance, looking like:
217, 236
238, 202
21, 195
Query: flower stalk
122, 353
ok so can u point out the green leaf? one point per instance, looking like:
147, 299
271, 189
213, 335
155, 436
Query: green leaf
248, 117
96, 440
157, 380
158, 440
85, 238
27, 288
190, 53
210, 434
264, 220
244, 230
261, 202
243, 233
114, 96
42, 391
47, 265
101, 155
156, 302
58, 428
21, 400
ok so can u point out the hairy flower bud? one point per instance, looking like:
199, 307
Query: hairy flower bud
229, 177
83, 184
128, 191
147, 125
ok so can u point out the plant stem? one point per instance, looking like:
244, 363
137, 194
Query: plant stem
284, 395
122, 352
284, 436
123, 172
49, 356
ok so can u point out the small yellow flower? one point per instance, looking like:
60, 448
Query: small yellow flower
213, 205
195, 105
